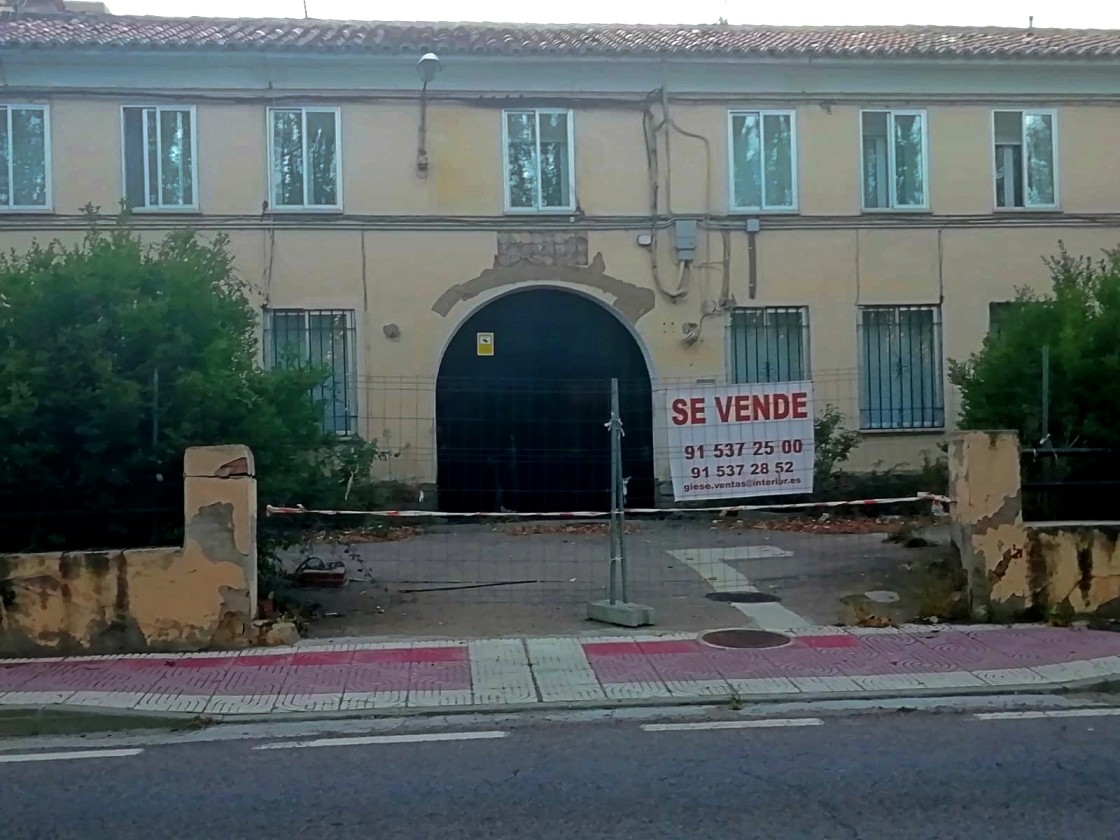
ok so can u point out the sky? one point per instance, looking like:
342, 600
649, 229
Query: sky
1072, 13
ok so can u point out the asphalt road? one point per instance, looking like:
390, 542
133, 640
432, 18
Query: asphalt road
873, 776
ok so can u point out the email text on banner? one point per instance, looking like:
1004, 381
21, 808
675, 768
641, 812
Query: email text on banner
741, 440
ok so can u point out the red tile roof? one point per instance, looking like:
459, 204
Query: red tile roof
91, 31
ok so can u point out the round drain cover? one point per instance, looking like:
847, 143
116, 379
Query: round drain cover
743, 597
744, 639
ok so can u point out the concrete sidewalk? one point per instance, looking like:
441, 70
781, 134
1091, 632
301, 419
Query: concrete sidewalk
370, 677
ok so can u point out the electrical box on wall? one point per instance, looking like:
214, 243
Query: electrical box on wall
684, 238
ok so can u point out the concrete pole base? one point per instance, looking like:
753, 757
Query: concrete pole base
622, 613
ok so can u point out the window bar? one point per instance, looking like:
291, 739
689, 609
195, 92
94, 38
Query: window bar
180, 167
344, 323
147, 157
895, 383
538, 189
874, 383
305, 152
11, 160
159, 112
914, 328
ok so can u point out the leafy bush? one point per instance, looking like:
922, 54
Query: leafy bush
114, 357
833, 445
1079, 318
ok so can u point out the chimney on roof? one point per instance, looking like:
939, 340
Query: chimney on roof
36, 6
86, 7
54, 7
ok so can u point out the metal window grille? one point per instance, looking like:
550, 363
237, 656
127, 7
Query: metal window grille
319, 338
901, 380
770, 344
998, 312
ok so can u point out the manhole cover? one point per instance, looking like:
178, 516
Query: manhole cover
743, 597
744, 639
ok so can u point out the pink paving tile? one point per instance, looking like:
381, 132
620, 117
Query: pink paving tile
99, 676
612, 649
439, 676
316, 679
964, 651
623, 669
325, 657
839, 640
1045, 646
255, 681
672, 646
685, 666
908, 654
384, 676
191, 681
201, 662
267, 660
13, 677
415, 654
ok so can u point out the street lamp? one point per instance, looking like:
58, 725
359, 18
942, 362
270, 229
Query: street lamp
427, 68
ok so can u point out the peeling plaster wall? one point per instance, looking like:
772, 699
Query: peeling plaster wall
155, 599
1018, 569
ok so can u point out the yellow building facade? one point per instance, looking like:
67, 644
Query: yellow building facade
741, 205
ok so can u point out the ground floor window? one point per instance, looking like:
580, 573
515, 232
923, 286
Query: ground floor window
900, 368
319, 338
769, 344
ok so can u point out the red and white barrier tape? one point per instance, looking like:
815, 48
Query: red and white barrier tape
272, 510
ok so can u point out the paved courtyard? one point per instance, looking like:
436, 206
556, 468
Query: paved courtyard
484, 580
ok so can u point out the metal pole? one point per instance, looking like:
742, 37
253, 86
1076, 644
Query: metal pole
1045, 395
612, 591
618, 503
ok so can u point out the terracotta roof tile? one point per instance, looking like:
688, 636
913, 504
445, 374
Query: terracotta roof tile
90, 31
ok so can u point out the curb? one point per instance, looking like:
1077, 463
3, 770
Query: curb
1083, 686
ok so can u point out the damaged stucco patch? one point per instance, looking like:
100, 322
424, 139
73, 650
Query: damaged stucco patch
157, 599
1016, 568
633, 302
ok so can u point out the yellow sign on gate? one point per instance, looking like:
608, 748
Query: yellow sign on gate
484, 344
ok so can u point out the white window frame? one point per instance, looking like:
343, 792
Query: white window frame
537, 209
732, 347
1023, 112
892, 197
159, 208
793, 158
305, 208
48, 206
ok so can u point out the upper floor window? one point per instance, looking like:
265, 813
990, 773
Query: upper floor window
894, 160
1025, 159
322, 339
539, 161
900, 378
25, 178
763, 167
304, 158
159, 158
770, 344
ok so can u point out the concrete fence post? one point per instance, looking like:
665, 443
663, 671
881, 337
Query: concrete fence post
220, 525
987, 519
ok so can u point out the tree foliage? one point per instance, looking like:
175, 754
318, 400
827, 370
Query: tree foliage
1079, 320
114, 357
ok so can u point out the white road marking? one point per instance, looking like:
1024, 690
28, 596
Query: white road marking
766, 723
709, 564
1048, 713
68, 756
365, 740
